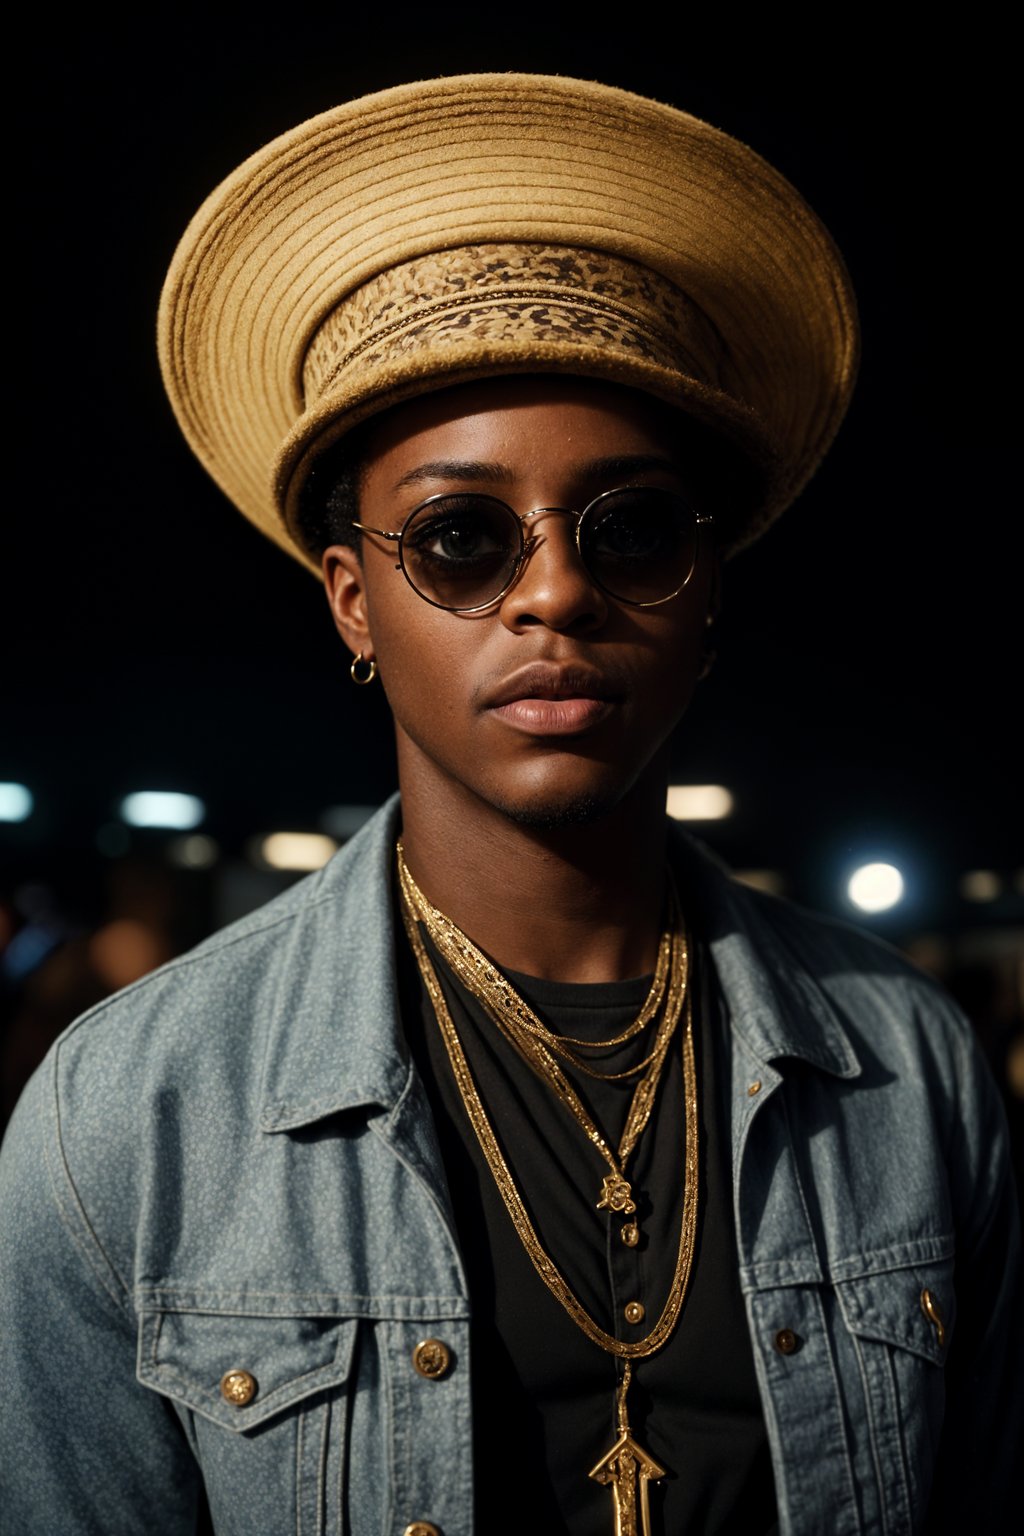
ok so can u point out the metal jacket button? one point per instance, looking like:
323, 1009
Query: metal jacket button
786, 1341
433, 1360
634, 1311
930, 1308
238, 1388
421, 1528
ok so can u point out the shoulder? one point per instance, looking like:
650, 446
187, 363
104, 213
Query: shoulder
171, 1076
818, 975
872, 1052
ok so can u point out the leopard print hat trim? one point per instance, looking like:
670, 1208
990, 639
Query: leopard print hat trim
528, 295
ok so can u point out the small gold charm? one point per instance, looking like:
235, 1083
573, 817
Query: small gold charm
630, 1234
616, 1195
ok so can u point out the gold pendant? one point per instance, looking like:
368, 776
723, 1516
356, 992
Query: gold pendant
628, 1469
616, 1195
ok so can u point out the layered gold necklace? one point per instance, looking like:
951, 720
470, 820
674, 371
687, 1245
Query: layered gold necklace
627, 1469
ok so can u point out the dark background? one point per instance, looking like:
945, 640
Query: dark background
865, 700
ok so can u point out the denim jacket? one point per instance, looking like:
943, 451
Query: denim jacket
231, 1167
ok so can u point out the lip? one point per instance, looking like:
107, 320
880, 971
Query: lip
548, 699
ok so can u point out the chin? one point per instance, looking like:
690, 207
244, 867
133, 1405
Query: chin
550, 814
547, 801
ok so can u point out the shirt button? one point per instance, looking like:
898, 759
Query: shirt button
786, 1341
421, 1528
432, 1359
238, 1388
633, 1311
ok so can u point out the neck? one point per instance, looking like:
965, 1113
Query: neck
580, 903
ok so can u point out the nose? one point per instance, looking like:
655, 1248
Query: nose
554, 587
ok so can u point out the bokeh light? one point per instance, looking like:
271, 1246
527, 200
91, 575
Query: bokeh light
16, 802
699, 802
875, 887
163, 808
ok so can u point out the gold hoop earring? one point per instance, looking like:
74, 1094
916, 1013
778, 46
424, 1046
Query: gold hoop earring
362, 678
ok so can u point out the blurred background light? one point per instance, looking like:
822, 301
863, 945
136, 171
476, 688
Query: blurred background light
193, 852
294, 850
875, 887
980, 885
16, 802
769, 880
125, 949
699, 802
162, 808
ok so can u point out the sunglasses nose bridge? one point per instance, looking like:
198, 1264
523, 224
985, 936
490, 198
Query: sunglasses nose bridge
525, 517
526, 527
525, 520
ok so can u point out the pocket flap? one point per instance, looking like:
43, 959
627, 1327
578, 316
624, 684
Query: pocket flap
277, 1360
912, 1308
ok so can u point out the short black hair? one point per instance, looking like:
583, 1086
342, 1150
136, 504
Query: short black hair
329, 500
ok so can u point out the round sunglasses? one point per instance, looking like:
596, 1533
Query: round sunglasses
464, 550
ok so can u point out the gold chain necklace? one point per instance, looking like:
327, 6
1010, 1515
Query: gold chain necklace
520, 1025
519, 1011
510, 1011
626, 1468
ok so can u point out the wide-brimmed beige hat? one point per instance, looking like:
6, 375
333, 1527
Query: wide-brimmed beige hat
478, 225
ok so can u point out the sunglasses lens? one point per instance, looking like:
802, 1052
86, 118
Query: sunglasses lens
461, 551
640, 544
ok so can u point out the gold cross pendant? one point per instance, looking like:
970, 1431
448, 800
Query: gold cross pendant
627, 1469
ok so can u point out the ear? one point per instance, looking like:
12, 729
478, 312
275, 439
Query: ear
346, 596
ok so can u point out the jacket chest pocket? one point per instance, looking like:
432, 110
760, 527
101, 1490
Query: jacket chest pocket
901, 1323
264, 1402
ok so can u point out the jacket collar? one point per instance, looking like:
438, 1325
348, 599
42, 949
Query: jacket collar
771, 960
335, 1041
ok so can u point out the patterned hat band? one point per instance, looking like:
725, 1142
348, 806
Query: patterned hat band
524, 294
485, 310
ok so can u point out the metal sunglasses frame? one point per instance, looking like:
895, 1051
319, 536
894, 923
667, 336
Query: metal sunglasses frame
701, 519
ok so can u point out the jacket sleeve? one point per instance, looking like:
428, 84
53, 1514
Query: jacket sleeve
978, 1468
84, 1448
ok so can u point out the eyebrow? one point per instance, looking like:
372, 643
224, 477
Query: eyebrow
617, 466
456, 469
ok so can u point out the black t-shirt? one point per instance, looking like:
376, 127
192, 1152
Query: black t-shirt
544, 1394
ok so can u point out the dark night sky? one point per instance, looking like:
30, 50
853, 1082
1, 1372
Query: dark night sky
865, 697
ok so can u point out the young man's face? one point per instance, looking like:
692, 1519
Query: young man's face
557, 701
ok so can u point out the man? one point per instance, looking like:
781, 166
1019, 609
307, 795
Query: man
520, 1166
